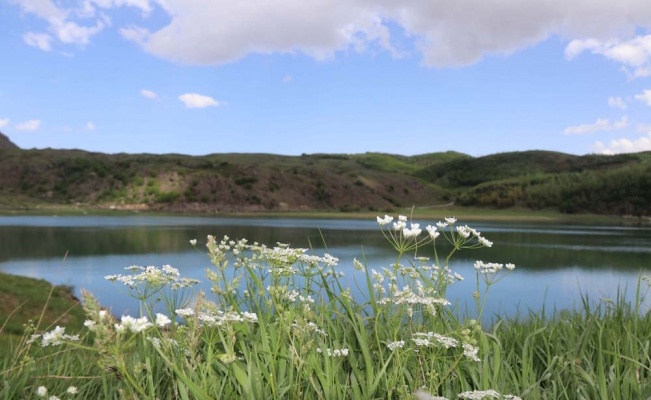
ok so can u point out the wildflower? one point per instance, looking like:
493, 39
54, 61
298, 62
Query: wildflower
470, 351
463, 231
384, 221
510, 266
335, 352
56, 336
442, 225
484, 242
413, 232
423, 395
479, 394
433, 233
72, 390
162, 320
91, 325
155, 341
41, 391
134, 325
450, 220
53, 398
396, 345
193, 242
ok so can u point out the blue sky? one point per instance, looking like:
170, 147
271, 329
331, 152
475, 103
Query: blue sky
332, 76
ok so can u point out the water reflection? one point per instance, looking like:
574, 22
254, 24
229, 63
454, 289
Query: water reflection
554, 263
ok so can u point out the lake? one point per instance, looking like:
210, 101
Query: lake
555, 264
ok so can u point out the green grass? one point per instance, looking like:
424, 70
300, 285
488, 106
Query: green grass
280, 324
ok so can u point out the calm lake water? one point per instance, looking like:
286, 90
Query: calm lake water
555, 264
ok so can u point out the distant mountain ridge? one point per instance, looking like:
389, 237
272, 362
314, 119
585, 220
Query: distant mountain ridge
618, 185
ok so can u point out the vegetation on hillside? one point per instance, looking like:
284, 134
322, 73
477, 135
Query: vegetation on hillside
600, 184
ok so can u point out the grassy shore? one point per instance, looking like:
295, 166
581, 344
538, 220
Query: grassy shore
280, 324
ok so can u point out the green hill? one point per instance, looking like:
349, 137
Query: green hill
618, 185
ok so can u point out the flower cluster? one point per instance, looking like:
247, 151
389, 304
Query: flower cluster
42, 391
135, 325
54, 338
334, 352
152, 276
217, 317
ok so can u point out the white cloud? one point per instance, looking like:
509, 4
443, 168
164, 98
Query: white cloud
148, 94
446, 32
194, 100
4, 122
617, 102
634, 54
645, 97
624, 145
41, 40
601, 124
28, 126
89, 126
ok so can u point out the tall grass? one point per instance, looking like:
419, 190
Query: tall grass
279, 323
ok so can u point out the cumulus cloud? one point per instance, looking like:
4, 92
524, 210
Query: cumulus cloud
617, 102
445, 32
634, 54
645, 97
602, 124
89, 126
624, 145
4, 122
28, 126
148, 94
195, 100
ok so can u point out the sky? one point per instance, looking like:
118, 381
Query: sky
326, 76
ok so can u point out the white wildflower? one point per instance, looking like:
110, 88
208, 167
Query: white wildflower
384, 221
413, 232
72, 390
53, 398
510, 266
56, 336
41, 391
134, 325
193, 242
402, 218
155, 341
162, 320
396, 345
463, 231
450, 220
432, 231
91, 325
399, 226
184, 312
470, 351
442, 225
479, 394
423, 395
485, 242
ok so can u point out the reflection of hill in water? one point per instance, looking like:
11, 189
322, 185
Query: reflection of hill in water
531, 247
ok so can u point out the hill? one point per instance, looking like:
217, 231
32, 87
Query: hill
5, 143
618, 185
216, 183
